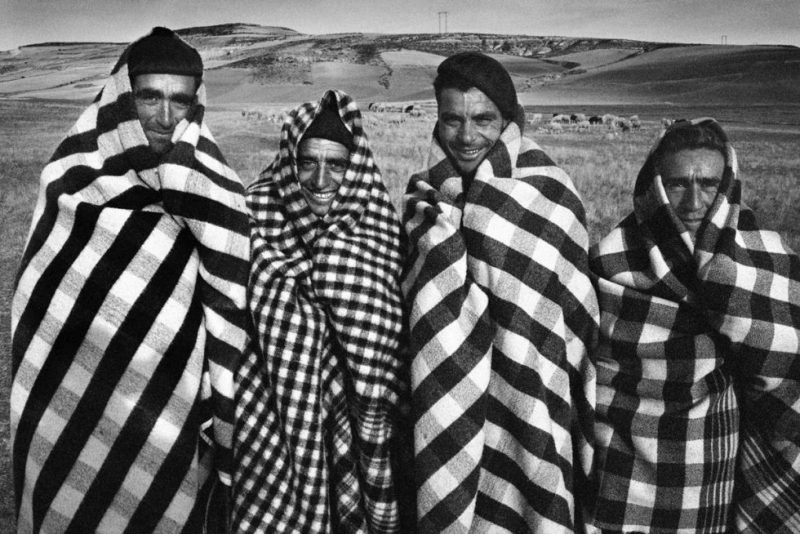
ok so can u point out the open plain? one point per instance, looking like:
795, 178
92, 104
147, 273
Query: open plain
256, 73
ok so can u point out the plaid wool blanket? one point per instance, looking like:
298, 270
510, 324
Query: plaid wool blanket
502, 314
318, 392
128, 324
698, 400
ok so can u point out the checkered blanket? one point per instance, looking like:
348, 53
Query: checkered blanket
502, 312
318, 393
698, 353
128, 323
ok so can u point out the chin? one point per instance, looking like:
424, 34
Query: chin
467, 168
160, 148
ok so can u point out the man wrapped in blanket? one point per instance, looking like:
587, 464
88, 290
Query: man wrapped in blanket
502, 316
128, 317
319, 390
698, 399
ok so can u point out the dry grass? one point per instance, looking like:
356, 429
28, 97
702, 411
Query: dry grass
28, 143
603, 168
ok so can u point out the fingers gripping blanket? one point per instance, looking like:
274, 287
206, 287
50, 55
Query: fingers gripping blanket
128, 322
502, 313
318, 391
697, 370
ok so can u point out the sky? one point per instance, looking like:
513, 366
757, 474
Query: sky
685, 21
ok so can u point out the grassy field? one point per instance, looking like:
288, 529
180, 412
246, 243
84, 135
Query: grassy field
603, 166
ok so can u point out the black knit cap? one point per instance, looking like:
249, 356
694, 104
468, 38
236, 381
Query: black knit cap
328, 125
163, 52
474, 69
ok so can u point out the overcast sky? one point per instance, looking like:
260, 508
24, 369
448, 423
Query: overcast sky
696, 21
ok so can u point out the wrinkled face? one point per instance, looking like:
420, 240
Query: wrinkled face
162, 101
321, 165
469, 126
691, 179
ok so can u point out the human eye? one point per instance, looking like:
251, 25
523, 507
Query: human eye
306, 164
451, 121
337, 165
182, 101
709, 184
675, 184
149, 98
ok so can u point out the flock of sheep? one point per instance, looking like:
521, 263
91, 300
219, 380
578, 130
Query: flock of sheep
396, 113
579, 121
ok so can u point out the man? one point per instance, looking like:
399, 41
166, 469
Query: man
502, 312
319, 391
128, 314
697, 367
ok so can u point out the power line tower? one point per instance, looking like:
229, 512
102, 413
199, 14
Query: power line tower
440, 13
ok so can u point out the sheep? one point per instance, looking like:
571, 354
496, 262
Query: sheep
622, 123
608, 119
555, 126
561, 119
533, 118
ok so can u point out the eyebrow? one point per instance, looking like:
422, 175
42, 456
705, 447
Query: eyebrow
335, 159
180, 98
484, 115
696, 177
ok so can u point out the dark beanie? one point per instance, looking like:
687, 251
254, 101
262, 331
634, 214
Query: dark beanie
328, 125
473, 69
163, 52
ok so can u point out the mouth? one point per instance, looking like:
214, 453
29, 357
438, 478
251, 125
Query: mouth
691, 222
467, 153
321, 196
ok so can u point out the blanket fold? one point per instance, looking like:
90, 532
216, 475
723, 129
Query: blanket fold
128, 323
697, 368
502, 313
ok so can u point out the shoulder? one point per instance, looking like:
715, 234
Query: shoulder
539, 170
616, 252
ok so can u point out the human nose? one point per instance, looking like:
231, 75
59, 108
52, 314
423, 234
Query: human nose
321, 175
693, 198
164, 115
466, 133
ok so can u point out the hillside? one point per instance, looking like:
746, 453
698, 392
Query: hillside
249, 64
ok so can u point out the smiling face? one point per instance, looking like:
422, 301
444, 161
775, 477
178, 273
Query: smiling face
469, 126
162, 101
691, 179
321, 165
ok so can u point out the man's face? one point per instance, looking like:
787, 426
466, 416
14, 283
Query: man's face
469, 126
162, 101
691, 179
321, 165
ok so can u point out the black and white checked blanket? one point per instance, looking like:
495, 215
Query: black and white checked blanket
128, 323
698, 400
502, 313
318, 393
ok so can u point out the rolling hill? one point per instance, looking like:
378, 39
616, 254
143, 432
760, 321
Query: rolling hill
249, 64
